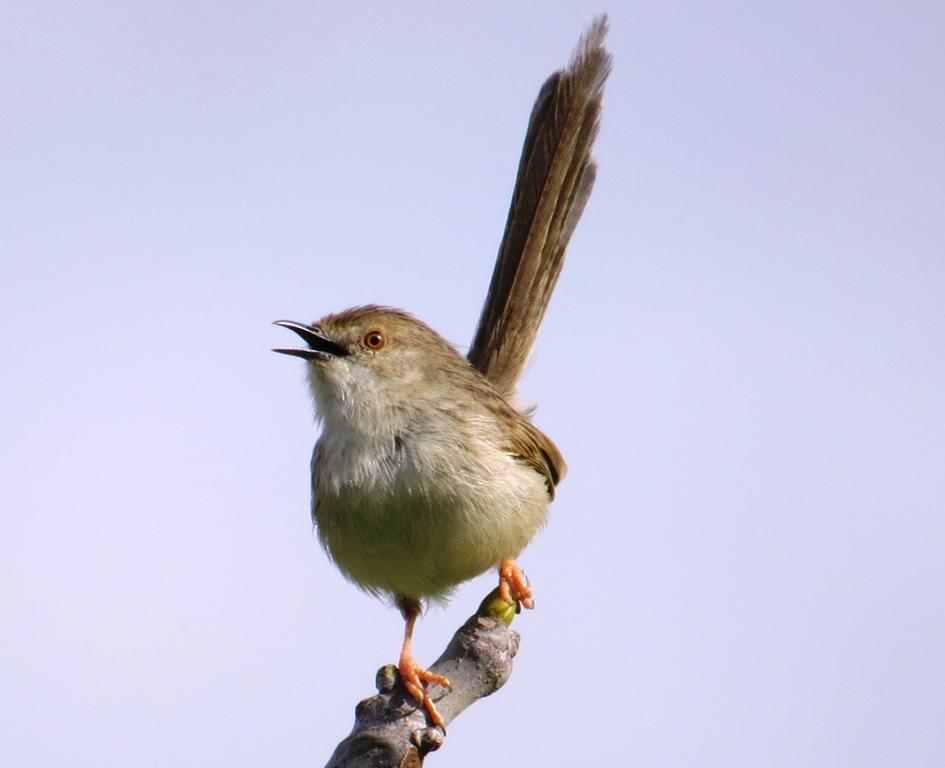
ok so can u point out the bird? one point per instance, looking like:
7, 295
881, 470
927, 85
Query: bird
426, 474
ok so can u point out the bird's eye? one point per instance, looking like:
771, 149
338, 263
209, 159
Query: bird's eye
374, 340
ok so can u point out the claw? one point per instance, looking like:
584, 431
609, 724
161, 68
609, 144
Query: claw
513, 584
413, 677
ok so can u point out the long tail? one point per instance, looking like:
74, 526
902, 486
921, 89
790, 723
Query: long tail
555, 177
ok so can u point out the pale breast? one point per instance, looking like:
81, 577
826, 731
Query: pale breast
414, 516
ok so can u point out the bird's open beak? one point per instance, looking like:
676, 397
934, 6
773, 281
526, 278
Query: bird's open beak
320, 346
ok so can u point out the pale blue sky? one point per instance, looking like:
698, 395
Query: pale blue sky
743, 366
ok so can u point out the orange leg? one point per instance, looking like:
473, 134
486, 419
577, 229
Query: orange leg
412, 675
513, 586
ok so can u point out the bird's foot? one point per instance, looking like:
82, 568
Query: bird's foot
513, 584
413, 678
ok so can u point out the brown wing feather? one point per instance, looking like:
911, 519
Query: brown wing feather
533, 447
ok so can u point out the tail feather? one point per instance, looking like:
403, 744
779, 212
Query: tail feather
555, 177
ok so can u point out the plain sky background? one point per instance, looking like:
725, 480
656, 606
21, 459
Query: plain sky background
744, 365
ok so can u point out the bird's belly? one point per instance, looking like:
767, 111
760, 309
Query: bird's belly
420, 539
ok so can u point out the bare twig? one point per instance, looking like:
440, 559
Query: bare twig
391, 731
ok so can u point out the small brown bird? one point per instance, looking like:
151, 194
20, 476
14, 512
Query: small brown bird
425, 475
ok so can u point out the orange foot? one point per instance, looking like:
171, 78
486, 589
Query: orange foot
413, 677
513, 585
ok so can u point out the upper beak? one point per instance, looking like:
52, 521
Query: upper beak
320, 346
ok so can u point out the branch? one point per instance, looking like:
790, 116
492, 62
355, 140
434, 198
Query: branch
390, 729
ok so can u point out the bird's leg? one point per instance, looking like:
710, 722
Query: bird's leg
513, 586
412, 675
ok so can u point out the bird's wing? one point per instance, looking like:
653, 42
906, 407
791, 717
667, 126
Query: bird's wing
533, 447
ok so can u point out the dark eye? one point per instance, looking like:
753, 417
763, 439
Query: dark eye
374, 340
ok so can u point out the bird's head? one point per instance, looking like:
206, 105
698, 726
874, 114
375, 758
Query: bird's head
368, 360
